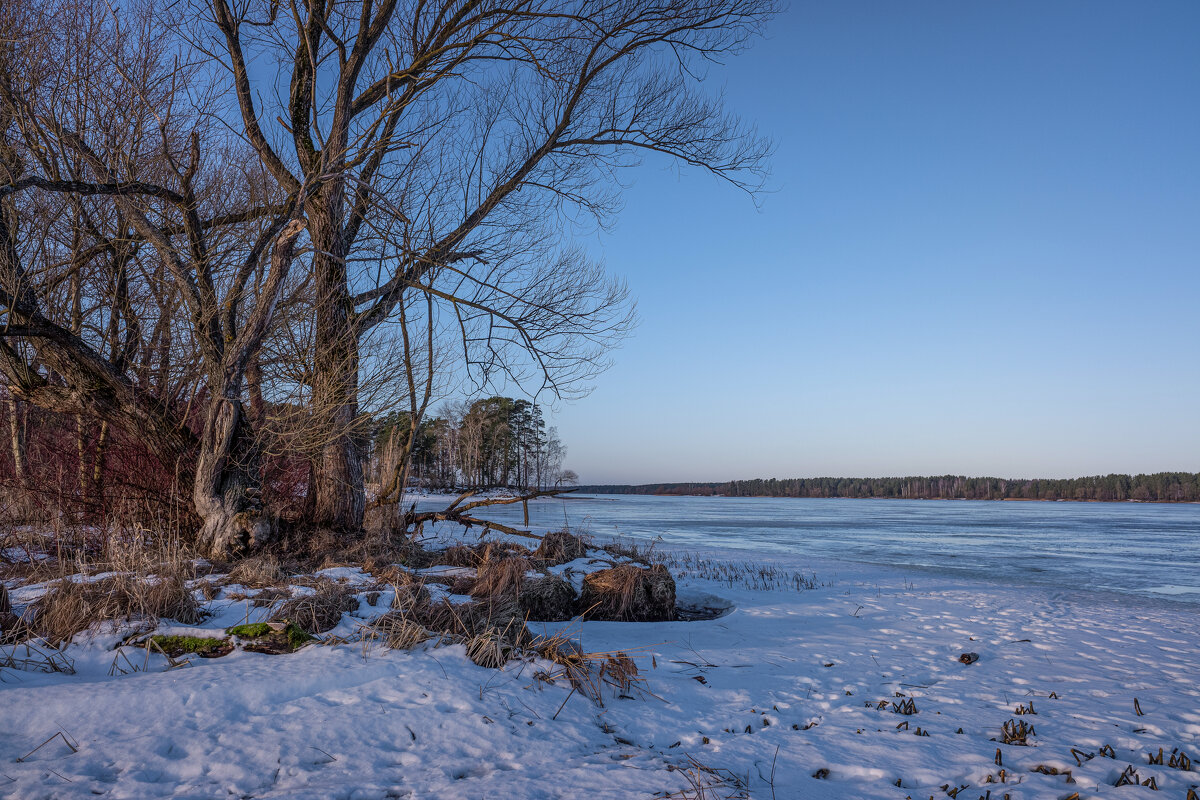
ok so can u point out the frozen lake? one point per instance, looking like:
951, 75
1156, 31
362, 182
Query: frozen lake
1150, 550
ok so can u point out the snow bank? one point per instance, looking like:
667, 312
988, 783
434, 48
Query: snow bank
789, 683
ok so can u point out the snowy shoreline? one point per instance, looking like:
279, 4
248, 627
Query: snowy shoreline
788, 685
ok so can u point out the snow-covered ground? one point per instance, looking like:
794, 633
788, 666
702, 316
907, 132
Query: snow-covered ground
792, 693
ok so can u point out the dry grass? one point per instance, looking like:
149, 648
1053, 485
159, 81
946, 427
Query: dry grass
461, 555
388, 574
410, 594
493, 631
262, 598
472, 619
397, 632
259, 572
494, 551
408, 587
35, 656
629, 593
457, 556
14, 629
590, 673
502, 577
708, 783
320, 611
560, 547
70, 607
636, 551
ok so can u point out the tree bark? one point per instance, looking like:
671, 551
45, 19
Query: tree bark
227, 483
339, 494
227, 489
18, 442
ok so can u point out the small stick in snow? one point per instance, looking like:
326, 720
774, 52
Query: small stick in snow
564, 703
773, 760
332, 758
74, 749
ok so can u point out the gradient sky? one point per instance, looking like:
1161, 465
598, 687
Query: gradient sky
980, 256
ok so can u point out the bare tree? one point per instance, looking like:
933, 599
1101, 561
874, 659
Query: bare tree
96, 108
446, 143
154, 188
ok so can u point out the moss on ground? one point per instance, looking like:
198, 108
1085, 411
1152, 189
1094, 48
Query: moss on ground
201, 645
297, 638
264, 638
254, 630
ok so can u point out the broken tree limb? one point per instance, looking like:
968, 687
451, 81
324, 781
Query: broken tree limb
458, 513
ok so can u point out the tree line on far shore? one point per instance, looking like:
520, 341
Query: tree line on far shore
1163, 487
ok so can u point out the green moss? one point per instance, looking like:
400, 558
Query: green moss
252, 631
263, 638
188, 644
297, 637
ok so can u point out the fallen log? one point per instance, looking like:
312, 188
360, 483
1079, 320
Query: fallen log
456, 512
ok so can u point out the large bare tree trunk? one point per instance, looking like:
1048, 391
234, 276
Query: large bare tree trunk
340, 498
227, 483
227, 489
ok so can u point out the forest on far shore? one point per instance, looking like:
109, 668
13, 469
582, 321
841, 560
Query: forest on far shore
1161, 487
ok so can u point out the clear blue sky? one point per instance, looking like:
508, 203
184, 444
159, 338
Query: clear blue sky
981, 256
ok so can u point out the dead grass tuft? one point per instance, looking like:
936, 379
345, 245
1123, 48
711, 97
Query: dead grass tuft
456, 556
70, 607
397, 632
629, 593
410, 594
590, 673
258, 572
14, 629
494, 551
500, 577
636, 551
493, 631
320, 611
471, 619
560, 547
708, 783
386, 574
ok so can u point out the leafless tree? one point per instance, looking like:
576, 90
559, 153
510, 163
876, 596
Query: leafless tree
438, 154
448, 145
96, 108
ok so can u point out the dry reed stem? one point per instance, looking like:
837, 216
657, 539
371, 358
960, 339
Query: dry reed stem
708, 783
35, 655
